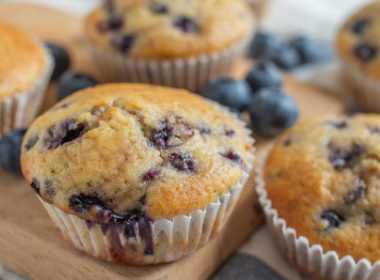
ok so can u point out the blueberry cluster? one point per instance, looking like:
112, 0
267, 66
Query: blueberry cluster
270, 110
288, 55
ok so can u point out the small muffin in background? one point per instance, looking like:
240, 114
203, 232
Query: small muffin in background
135, 173
321, 196
174, 43
25, 70
357, 44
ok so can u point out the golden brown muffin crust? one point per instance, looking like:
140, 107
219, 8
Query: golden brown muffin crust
322, 177
169, 29
22, 60
127, 148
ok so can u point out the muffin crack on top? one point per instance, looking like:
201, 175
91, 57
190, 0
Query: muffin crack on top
323, 179
124, 153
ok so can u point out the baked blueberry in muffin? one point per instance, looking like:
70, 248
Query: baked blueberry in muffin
322, 178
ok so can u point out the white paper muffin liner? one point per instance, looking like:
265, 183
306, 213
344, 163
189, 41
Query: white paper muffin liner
363, 91
21, 108
171, 240
189, 73
309, 260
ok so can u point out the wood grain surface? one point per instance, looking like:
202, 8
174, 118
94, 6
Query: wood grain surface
32, 246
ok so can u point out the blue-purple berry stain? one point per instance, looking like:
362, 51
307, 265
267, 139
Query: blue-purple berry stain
360, 25
151, 174
333, 219
185, 24
123, 43
182, 162
233, 157
65, 132
82, 204
341, 158
171, 133
112, 24
35, 185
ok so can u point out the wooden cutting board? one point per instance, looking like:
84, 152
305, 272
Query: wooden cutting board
32, 246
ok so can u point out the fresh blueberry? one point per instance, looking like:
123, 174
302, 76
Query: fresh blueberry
123, 43
272, 112
264, 46
311, 51
228, 92
10, 151
365, 52
332, 218
61, 60
287, 57
71, 82
185, 24
264, 74
360, 25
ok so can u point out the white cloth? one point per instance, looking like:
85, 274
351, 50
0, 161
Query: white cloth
319, 19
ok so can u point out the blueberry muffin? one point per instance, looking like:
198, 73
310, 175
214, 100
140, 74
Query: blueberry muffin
357, 44
24, 72
121, 155
322, 178
156, 30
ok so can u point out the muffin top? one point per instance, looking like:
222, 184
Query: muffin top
359, 39
118, 151
159, 29
22, 60
323, 177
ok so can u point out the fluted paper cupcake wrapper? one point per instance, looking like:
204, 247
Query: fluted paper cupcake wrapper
21, 108
188, 73
310, 260
363, 91
160, 241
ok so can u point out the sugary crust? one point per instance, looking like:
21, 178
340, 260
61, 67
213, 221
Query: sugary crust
347, 40
221, 23
22, 60
110, 160
314, 169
